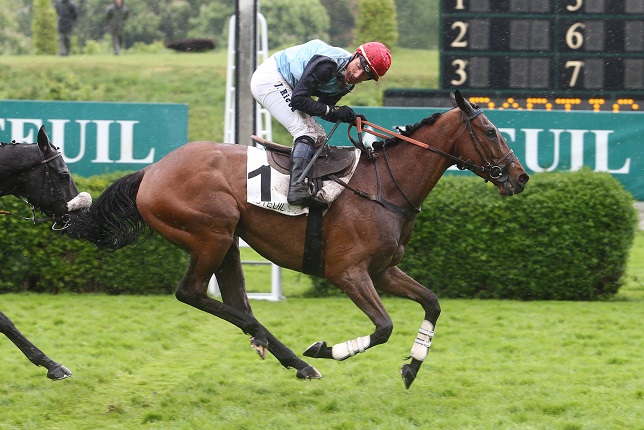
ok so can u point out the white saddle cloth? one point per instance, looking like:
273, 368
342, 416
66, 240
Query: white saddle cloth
268, 188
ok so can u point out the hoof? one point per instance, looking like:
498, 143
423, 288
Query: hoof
58, 372
309, 372
318, 350
408, 375
260, 346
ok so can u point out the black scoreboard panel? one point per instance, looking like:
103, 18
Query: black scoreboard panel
551, 47
544, 73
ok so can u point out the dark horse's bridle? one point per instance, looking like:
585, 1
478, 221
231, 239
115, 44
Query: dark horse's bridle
494, 170
54, 191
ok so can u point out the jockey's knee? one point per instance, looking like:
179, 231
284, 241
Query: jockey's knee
303, 147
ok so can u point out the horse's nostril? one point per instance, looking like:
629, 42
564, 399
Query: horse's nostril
524, 178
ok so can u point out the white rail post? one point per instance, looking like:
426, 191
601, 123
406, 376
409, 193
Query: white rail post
263, 129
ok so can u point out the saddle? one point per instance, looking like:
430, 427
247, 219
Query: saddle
336, 160
333, 160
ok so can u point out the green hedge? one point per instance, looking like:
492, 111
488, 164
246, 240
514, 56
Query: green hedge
566, 237
35, 258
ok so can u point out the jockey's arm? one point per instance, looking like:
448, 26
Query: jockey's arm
319, 70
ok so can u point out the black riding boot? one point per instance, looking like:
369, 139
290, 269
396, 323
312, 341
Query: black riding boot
298, 190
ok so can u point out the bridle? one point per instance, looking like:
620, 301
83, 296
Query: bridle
494, 170
54, 191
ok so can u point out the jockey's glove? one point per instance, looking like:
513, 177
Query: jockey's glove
342, 113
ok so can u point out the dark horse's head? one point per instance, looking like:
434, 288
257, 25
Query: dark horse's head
39, 174
488, 155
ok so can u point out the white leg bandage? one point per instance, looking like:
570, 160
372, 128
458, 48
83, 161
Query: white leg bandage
350, 348
423, 341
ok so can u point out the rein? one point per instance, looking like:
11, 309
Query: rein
493, 170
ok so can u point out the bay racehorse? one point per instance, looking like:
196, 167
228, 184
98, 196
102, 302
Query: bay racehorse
196, 198
38, 175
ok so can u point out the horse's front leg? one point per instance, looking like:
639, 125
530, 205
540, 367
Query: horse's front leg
359, 287
396, 282
55, 371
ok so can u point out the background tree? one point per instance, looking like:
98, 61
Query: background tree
212, 22
377, 21
342, 20
15, 36
43, 28
292, 22
174, 20
417, 23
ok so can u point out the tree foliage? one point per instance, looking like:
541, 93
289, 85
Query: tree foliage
13, 16
417, 23
44, 28
377, 21
212, 22
153, 22
342, 21
292, 22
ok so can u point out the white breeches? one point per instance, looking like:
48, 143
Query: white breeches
271, 91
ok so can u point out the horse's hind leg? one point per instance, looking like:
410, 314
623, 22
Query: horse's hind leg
55, 371
396, 282
230, 278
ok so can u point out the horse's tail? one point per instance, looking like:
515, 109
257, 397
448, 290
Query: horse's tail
112, 221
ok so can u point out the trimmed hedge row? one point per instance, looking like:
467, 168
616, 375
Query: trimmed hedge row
566, 237
35, 258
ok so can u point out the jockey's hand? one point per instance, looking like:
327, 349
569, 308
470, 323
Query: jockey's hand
341, 113
362, 117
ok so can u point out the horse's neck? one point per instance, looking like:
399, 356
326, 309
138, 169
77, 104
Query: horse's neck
417, 170
13, 159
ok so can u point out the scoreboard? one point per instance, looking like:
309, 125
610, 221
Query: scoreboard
545, 54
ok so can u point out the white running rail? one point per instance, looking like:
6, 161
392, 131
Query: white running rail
263, 129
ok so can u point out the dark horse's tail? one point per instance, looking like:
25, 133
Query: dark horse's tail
112, 221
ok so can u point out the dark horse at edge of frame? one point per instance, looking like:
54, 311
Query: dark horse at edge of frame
196, 198
38, 174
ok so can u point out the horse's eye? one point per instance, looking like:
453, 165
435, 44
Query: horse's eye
490, 133
64, 175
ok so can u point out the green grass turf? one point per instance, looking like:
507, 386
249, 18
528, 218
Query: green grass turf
152, 362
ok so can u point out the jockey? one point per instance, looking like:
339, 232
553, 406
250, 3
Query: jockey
287, 81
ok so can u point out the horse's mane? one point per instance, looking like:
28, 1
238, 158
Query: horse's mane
8, 143
407, 131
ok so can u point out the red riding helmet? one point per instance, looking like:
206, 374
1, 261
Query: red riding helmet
377, 58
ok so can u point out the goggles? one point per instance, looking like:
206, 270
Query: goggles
367, 69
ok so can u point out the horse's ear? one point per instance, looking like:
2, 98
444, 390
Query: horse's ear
43, 139
459, 101
452, 97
